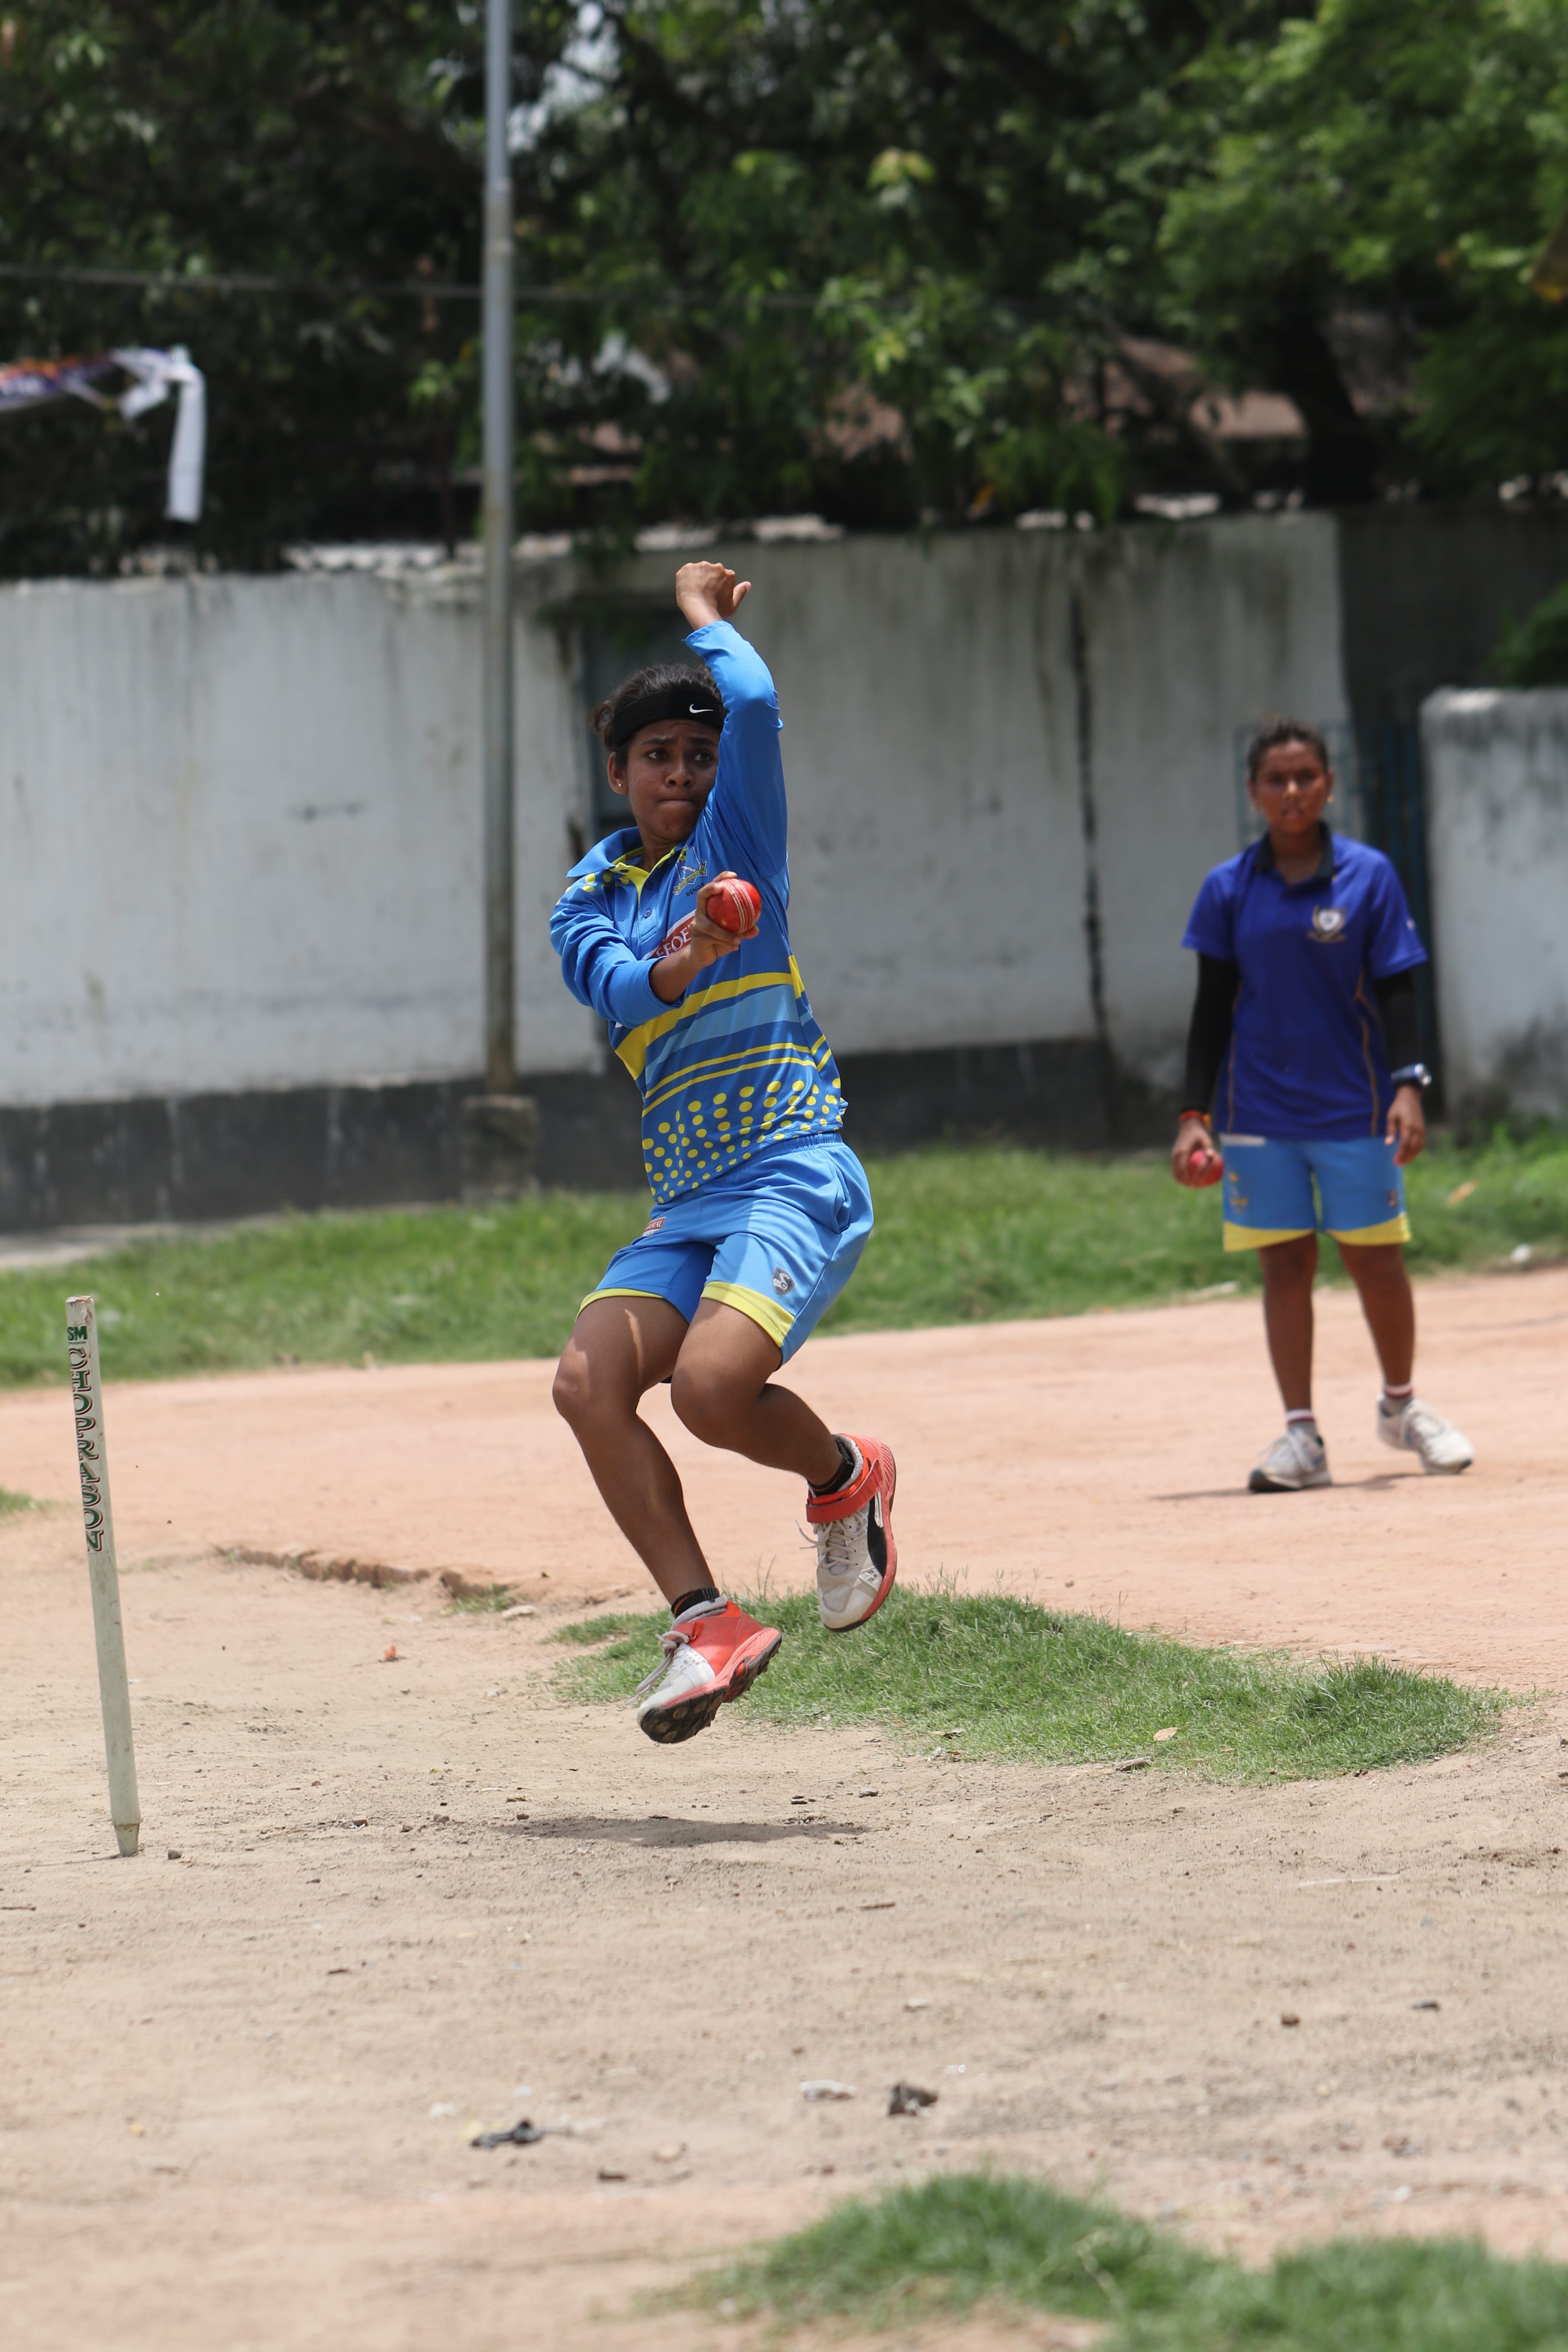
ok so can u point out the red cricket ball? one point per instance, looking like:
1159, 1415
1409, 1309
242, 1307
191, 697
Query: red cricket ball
733, 906
1205, 1167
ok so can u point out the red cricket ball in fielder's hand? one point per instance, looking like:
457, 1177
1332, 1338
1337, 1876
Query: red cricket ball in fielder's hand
734, 907
1205, 1167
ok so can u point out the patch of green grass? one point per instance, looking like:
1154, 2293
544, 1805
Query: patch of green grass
950, 2242
10, 1502
403, 1287
980, 1234
1447, 2295
989, 1675
964, 1235
626, 1633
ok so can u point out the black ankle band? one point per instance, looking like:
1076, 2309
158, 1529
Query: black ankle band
845, 1470
695, 1599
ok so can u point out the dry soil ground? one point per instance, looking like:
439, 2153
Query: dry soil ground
239, 2085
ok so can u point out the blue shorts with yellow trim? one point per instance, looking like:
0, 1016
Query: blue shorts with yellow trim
1276, 1191
778, 1237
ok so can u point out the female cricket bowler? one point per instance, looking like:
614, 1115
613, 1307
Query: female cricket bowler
760, 1209
1306, 1015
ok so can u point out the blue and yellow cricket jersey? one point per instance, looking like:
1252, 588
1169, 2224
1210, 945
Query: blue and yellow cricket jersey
740, 1063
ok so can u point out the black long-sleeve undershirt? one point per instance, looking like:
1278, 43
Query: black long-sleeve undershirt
1208, 1033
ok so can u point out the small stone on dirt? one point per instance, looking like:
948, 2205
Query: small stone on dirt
670, 2155
609, 2172
908, 2099
521, 2135
173, 1853
1425, 2004
828, 2089
1289, 2017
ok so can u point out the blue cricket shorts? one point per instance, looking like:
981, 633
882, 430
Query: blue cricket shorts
1276, 1191
778, 1238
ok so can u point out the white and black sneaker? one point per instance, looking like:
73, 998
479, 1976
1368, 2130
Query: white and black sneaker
856, 1557
1297, 1459
1414, 1428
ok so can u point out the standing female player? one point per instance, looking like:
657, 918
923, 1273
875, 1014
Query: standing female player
760, 1211
1295, 939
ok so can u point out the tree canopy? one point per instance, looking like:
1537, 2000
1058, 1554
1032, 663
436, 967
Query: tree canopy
879, 257
1378, 180
321, 142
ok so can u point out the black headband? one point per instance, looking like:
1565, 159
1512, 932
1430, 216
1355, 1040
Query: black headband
683, 701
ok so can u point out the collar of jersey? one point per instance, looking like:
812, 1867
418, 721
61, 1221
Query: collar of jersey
614, 858
1265, 862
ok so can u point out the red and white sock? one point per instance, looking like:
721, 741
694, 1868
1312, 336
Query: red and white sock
1395, 1400
1303, 1418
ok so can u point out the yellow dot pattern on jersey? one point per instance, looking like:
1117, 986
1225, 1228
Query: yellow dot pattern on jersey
717, 1093
719, 1129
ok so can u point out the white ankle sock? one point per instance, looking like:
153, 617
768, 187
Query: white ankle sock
1304, 1419
1397, 1399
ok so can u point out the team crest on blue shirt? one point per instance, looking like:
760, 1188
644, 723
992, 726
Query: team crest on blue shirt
1328, 923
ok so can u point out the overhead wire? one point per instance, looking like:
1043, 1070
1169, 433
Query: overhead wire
438, 289
419, 290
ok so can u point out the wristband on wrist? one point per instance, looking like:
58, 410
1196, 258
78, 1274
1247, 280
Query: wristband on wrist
1414, 1074
1196, 1114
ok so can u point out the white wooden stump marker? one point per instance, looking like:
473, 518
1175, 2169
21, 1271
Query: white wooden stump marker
113, 1688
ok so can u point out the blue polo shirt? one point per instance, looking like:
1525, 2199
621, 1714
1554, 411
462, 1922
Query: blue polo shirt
1306, 1057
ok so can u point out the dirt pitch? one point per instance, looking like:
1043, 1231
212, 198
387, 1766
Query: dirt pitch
239, 2085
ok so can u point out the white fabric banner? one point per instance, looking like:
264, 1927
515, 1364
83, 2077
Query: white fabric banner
157, 373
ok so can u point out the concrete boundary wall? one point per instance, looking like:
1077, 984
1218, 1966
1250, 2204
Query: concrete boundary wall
1496, 826
1009, 759
1188, 636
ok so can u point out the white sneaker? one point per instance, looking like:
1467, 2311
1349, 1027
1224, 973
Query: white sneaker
1297, 1459
1414, 1428
856, 1557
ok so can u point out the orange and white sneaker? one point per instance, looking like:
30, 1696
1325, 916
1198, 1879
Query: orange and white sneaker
711, 1654
856, 1558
